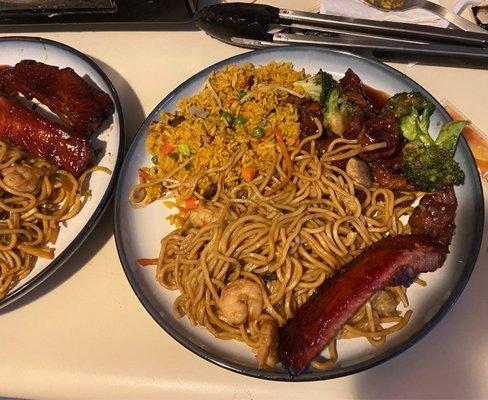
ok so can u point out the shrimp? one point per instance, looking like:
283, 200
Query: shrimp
241, 300
202, 216
267, 354
22, 178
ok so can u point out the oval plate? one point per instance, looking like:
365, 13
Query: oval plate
108, 142
148, 226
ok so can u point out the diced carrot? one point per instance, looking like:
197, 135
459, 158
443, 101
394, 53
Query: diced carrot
248, 172
166, 148
191, 203
147, 261
144, 175
284, 151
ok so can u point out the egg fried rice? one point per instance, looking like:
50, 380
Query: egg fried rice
239, 109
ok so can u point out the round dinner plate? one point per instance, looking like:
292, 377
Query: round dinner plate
108, 143
138, 231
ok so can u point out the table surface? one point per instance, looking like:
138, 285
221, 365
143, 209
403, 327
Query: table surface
83, 333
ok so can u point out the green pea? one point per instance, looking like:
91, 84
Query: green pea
258, 132
240, 120
154, 160
185, 149
228, 117
241, 94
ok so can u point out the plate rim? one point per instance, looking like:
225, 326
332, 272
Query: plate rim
92, 222
283, 376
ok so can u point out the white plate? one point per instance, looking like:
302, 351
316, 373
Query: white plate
109, 139
148, 226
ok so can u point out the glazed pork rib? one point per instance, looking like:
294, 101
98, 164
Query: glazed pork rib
46, 139
68, 95
389, 262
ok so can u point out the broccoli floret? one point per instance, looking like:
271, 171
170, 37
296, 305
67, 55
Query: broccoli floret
412, 111
430, 168
328, 84
338, 112
337, 109
311, 86
318, 87
429, 165
449, 135
414, 126
404, 103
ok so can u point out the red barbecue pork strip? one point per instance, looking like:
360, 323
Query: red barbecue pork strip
68, 95
391, 261
43, 138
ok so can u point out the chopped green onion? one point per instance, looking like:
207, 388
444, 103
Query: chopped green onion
184, 149
228, 117
241, 94
174, 156
240, 120
154, 160
263, 122
258, 132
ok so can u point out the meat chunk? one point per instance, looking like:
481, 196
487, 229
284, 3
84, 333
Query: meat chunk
377, 130
43, 138
308, 110
69, 96
249, 82
391, 261
354, 126
385, 174
307, 115
434, 216
354, 90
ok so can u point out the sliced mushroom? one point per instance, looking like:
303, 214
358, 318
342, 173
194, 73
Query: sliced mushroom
358, 170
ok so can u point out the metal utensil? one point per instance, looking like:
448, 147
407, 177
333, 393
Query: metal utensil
256, 26
401, 5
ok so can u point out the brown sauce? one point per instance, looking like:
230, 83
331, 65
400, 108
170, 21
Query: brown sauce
378, 97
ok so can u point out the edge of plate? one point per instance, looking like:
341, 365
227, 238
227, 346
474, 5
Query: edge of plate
21, 290
307, 376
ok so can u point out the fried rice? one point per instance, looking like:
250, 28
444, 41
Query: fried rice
239, 109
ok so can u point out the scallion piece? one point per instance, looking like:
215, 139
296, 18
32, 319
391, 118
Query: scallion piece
184, 149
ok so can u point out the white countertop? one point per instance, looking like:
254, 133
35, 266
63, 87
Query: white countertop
83, 333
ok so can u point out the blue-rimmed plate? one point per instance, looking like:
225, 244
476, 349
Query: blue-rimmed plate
108, 143
148, 226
